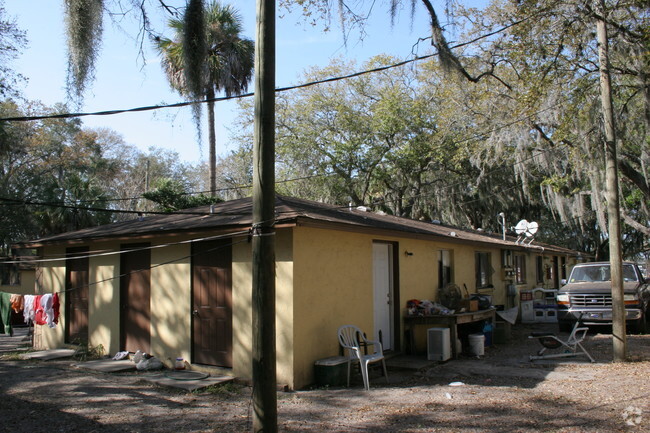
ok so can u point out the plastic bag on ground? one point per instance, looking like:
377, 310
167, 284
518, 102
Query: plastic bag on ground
149, 364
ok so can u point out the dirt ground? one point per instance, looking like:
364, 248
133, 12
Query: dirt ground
499, 392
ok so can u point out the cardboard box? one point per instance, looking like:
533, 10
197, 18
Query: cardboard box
469, 305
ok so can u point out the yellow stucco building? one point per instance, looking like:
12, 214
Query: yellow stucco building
180, 285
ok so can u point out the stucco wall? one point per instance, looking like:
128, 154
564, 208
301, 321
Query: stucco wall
333, 283
104, 299
324, 279
27, 284
333, 287
242, 315
171, 302
242, 282
50, 277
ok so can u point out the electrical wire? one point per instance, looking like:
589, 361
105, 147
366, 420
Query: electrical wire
26, 259
178, 259
249, 94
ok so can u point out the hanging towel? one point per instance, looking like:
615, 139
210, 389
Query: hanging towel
39, 313
5, 314
17, 303
53, 313
28, 308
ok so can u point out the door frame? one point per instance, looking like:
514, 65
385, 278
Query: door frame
226, 360
125, 250
76, 265
395, 311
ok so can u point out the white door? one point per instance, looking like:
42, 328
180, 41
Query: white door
382, 255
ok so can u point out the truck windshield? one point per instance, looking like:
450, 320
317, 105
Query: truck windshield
599, 273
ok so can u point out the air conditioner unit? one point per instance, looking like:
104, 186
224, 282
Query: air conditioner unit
438, 344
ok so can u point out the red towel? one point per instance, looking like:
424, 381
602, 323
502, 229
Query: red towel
39, 314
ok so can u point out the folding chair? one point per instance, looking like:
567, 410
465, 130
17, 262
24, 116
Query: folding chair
570, 346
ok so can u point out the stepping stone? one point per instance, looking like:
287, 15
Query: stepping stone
108, 365
187, 380
47, 355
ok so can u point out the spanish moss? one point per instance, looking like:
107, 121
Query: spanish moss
83, 20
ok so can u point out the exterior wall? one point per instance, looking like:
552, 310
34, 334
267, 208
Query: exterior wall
324, 279
285, 308
333, 287
242, 281
104, 299
171, 303
418, 270
27, 284
333, 283
50, 277
547, 262
242, 314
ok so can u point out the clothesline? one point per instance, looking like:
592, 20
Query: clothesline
37, 309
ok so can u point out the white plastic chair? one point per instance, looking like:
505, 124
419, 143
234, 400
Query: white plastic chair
352, 339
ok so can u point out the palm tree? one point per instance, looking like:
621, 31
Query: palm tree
221, 60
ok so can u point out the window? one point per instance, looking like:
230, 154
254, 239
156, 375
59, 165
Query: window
539, 269
445, 275
506, 258
551, 271
520, 269
9, 274
484, 270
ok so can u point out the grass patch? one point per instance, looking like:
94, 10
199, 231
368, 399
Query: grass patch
14, 356
228, 388
85, 352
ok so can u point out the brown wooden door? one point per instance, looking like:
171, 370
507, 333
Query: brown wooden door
212, 303
76, 295
135, 298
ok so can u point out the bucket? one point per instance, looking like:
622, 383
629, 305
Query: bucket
476, 344
487, 331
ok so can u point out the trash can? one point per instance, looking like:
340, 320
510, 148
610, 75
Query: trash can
477, 344
331, 371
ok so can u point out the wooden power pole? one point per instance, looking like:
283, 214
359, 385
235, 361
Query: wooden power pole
613, 210
265, 411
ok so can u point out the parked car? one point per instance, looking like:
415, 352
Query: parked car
588, 296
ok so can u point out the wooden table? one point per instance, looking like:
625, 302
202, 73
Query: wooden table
450, 321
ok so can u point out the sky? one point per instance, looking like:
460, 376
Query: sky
124, 80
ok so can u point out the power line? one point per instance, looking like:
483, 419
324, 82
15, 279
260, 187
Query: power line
178, 259
17, 202
22, 202
27, 260
249, 94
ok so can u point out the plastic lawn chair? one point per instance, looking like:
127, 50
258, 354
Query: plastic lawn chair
352, 339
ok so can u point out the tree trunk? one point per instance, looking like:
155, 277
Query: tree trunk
265, 411
212, 142
613, 210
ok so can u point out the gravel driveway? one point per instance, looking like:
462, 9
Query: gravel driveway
501, 392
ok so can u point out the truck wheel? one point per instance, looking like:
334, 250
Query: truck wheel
640, 326
565, 325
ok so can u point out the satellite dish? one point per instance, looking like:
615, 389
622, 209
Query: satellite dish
532, 229
521, 227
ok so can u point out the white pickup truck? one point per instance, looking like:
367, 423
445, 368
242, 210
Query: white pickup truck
588, 296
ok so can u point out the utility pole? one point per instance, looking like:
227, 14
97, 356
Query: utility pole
613, 210
265, 410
